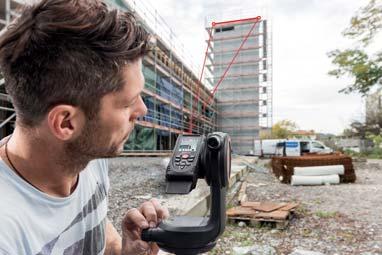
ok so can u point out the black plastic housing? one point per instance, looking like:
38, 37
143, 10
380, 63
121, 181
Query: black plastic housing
194, 235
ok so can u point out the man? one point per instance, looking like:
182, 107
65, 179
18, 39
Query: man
73, 71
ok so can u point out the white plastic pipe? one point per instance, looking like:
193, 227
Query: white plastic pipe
315, 180
319, 170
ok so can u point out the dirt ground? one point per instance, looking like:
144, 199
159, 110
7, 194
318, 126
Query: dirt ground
335, 219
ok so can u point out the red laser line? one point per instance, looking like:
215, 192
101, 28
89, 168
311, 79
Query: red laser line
200, 79
256, 19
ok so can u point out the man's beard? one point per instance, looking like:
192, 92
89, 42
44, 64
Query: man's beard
92, 143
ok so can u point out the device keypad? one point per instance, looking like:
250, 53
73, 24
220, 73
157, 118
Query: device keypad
184, 160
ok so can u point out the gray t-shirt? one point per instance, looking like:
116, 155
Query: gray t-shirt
32, 222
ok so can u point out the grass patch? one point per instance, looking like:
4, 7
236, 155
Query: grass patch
325, 215
302, 210
376, 153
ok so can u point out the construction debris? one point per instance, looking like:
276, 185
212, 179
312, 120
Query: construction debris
315, 180
317, 175
254, 250
259, 213
319, 170
242, 195
263, 206
286, 167
305, 252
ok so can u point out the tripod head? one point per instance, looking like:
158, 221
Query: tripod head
195, 157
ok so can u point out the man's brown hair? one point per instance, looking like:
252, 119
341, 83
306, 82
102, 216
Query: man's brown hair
67, 52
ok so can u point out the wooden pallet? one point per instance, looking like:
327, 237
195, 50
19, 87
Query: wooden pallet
260, 214
260, 222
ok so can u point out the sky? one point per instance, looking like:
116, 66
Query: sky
303, 32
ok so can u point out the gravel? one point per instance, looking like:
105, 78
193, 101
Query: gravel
133, 181
336, 219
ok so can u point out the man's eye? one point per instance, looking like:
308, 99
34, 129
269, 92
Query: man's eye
131, 103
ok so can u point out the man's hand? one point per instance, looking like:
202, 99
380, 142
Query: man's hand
149, 214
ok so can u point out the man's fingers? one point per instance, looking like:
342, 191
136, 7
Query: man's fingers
134, 219
154, 212
149, 212
162, 213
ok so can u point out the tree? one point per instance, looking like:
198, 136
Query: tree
366, 69
283, 129
362, 130
348, 132
377, 139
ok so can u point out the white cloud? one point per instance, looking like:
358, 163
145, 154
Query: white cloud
303, 33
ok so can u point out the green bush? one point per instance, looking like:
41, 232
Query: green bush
376, 153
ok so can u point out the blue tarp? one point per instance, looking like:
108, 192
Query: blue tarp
150, 116
176, 117
169, 91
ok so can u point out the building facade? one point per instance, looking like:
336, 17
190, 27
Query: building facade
240, 68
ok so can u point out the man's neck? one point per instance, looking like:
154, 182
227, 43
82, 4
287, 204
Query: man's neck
43, 164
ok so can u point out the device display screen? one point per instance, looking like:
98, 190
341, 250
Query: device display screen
188, 144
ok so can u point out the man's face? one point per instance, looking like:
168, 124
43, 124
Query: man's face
105, 135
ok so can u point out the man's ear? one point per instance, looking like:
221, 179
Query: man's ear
66, 121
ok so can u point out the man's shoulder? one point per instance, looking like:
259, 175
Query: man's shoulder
7, 188
100, 166
100, 163
11, 201
103, 163
99, 170
9, 220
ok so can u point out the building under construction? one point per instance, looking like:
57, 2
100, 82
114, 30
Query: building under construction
239, 68
7, 115
177, 101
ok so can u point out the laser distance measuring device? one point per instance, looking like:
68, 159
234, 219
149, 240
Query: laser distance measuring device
195, 157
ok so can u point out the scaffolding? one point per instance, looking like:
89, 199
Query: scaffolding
177, 102
239, 68
7, 113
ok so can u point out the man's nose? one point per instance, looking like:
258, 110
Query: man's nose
142, 108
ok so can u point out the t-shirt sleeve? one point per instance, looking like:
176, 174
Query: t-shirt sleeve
6, 244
